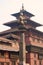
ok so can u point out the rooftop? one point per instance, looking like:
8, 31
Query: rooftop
22, 16
16, 23
28, 14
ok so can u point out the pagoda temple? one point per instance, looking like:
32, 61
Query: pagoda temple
25, 43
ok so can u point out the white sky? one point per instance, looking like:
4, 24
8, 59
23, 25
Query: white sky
8, 7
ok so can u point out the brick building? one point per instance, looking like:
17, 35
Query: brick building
8, 51
33, 39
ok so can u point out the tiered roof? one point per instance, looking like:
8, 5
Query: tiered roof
25, 16
16, 23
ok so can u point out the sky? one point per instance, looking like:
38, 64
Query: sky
8, 7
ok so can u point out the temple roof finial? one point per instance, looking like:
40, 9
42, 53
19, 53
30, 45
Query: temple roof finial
22, 6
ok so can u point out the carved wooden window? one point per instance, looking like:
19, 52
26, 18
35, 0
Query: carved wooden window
4, 63
7, 63
1, 63
35, 62
13, 63
12, 55
35, 55
1, 54
38, 40
40, 62
40, 56
33, 39
42, 41
30, 38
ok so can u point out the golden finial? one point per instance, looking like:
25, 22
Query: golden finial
22, 6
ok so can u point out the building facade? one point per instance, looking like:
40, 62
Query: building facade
33, 40
8, 52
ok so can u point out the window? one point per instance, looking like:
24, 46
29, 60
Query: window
42, 41
38, 40
1, 63
2, 54
33, 39
40, 62
13, 63
34, 54
7, 63
35, 62
40, 56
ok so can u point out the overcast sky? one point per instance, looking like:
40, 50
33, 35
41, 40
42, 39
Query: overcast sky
8, 7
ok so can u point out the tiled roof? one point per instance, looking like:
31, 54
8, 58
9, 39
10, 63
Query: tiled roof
10, 31
24, 12
16, 23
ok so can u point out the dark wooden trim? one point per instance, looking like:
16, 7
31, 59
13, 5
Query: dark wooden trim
36, 49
